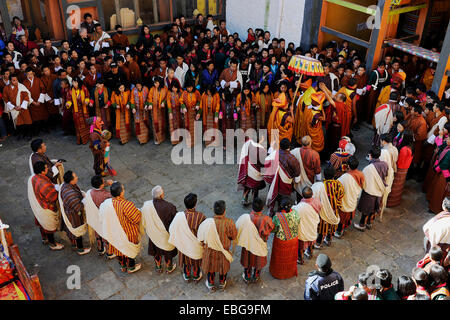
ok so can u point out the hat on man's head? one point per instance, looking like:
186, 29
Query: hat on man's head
318, 97
400, 75
323, 262
113, 65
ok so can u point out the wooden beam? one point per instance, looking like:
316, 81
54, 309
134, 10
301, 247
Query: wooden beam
443, 66
407, 9
377, 37
345, 36
5, 17
421, 23
323, 19
353, 6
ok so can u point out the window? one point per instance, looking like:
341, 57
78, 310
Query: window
154, 11
184, 7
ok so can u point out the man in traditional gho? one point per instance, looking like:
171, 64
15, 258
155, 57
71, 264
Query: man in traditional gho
308, 210
43, 201
100, 39
121, 224
156, 103
352, 181
437, 229
92, 201
216, 235
157, 215
313, 116
389, 154
231, 78
418, 125
174, 109
310, 169
395, 86
190, 106
120, 99
253, 231
263, 101
283, 260
102, 103
282, 169
17, 99
77, 99
378, 79
38, 109
72, 211
183, 235
251, 164
97, 145
330, 193
375, 175
53, 110
139, 96
245, 107
210, 107
281, 119
340, 158
39, 149
384, 118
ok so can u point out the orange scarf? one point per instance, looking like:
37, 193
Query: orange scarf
122, 100
75, 93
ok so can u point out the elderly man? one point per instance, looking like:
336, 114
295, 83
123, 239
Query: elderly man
231, 78
39, 148
72, 210
437, 229
157, 214
43, 200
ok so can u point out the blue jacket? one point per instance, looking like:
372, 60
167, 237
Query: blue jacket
323, 286
208, 78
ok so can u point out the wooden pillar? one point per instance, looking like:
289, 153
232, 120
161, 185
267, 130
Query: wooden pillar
421, 22
137, 9
54, 19
118, 18
323, 19
375, 50
5, 17
440, 77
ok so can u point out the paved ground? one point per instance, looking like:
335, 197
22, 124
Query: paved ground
395, 243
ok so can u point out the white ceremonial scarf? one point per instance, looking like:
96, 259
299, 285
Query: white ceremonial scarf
181, 236
24, 105
248, 236
48, 219
373, 184
326, 213
77, 232
207, 232
113, 232
304, 180
284, 178
154, 227
251, 171
384, 120
309, 221
438, 231
352, 191
92, 213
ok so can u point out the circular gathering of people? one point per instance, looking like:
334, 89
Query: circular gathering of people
98, 87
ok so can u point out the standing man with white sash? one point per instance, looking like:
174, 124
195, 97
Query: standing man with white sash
183, 235
309, 160
389, 154
72, 211
121, 227
253, 231
55, 167
216, 235
375, 175
157, 214
43, 201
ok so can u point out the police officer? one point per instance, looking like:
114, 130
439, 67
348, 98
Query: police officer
323, 283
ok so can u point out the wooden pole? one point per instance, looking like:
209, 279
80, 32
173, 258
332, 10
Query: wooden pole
296, 90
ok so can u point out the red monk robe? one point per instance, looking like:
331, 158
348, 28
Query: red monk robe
280, 119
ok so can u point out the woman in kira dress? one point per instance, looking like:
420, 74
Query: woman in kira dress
120, 99
156, 103
263, 102
139, 96
245, 107
77, 99
210, 106
174, 109
102, 103
190, 107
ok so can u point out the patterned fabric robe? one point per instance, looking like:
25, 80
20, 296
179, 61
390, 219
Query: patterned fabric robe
194, 219
174, 109
119, 102
157, 100
246, 112
190, 102
77, 101
335, 192
138, 99
71, 197
263, 103
210, 106
102, 103
97, 146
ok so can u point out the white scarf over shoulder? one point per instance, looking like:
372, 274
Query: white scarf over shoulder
303, 178
373, 184
309, 220
181, 236
77, 232
352, 191
92, 213
248, 236
438, 231
23, 105
326, 213
207, 232
113, 232
154, 227
48, 219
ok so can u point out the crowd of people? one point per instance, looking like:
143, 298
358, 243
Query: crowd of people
95, 85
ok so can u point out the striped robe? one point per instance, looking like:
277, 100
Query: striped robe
264, 103
339, 160
173, 108
335, 192
35, 157
138, 99
157, 99
264, 225
246, 111
189, 101
311, 162
209, 106
45, 191
123, 129
194, 219
215, 261
77, 101
130, 219
72, 197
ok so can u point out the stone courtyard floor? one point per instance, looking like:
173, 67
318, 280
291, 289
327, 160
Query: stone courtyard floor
395, 243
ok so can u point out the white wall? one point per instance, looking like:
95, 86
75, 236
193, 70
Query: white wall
285, 18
